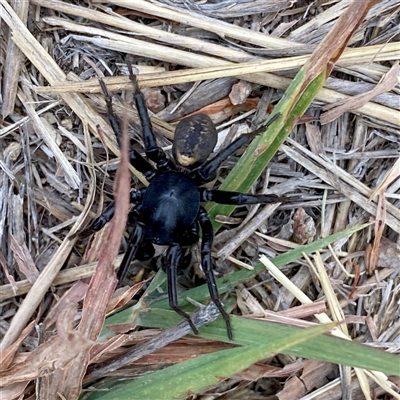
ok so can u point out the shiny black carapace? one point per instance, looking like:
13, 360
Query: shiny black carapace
169, 211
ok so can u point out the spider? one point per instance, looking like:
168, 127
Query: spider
169, 211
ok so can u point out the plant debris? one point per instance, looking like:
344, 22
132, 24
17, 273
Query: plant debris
233, 61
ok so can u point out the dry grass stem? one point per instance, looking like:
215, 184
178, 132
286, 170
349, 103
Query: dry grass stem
60, 166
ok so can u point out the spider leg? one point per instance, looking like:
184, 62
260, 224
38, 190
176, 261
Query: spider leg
135, 158
134, 242
153, 152
237, 198
108, 213
207, 172
206, 245
137, 161
174, 254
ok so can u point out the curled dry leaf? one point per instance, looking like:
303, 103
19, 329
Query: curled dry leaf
389, 254
24, 260
303, 227
387, 83
54, 354
3, 264
7, 355
239, 93
155, 100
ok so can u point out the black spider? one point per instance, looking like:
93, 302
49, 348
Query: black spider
169, 211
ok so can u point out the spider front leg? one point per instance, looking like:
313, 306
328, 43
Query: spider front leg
172, 258
153, 152
135, 159
206, 262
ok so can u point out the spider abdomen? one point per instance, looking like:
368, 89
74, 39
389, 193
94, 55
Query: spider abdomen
169, 208
194, 140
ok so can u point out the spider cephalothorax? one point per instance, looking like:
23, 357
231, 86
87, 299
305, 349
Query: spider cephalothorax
169, 211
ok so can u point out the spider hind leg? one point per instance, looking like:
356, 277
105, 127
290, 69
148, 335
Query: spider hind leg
206, 245
172, 258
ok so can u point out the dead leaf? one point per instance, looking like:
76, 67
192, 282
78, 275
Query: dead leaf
240, 91
10, 278
103, 282
7, 355
372, 253
303, 227
155, 100
387, 83
389, 254
54, 354
24, 260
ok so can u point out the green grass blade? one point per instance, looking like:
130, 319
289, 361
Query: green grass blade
247, 331
229, 282
250, 332
297, 98
260, 152
177, 381
224, 284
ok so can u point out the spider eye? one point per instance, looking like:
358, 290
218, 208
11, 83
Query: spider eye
195, 139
